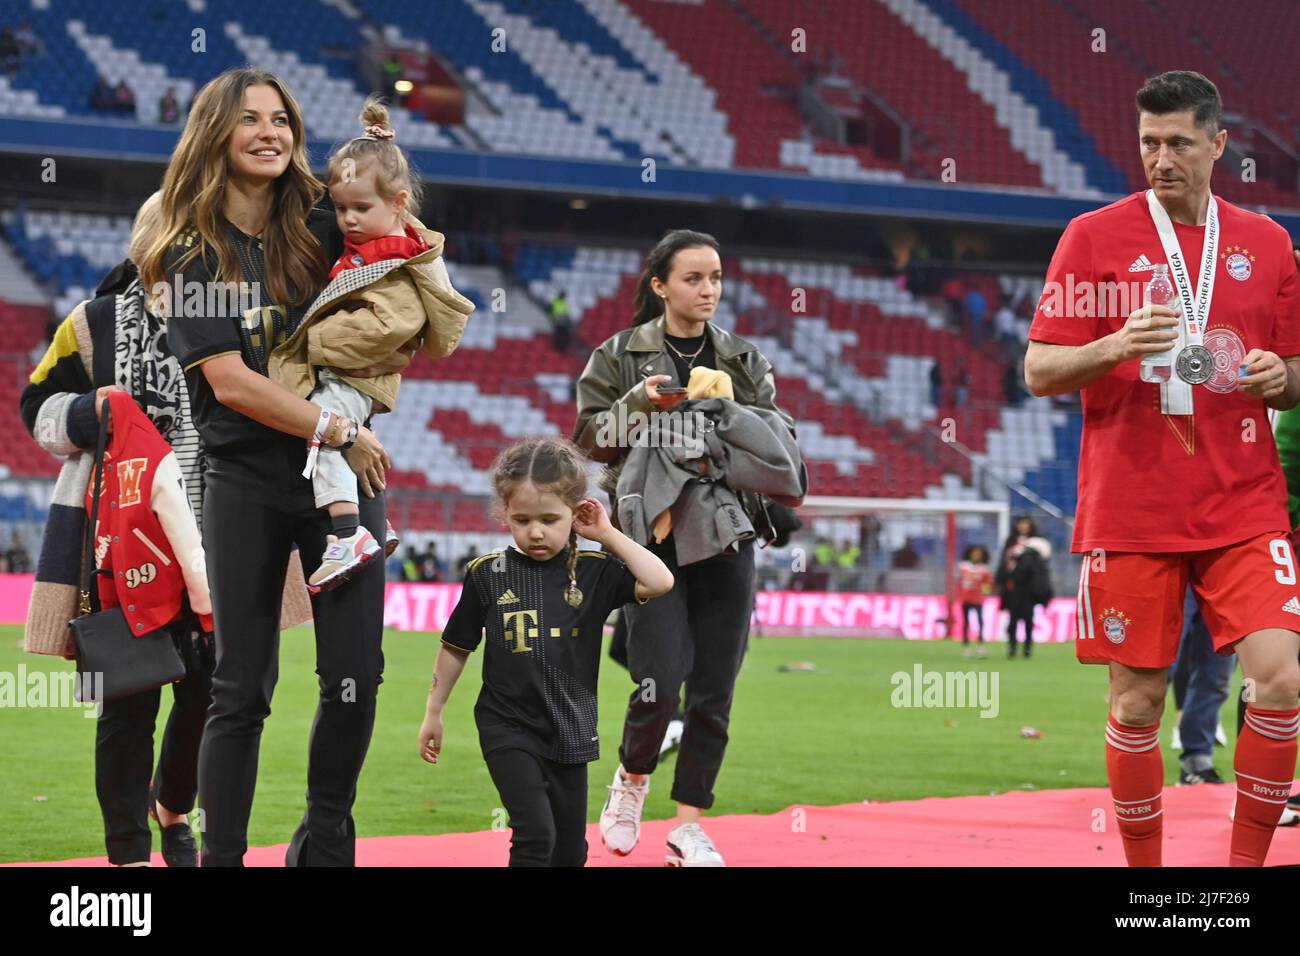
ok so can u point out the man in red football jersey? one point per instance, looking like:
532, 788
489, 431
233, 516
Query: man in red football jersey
1178, 475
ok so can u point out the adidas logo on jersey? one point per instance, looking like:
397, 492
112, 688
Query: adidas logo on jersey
1292, 605
1141, 264
509, 598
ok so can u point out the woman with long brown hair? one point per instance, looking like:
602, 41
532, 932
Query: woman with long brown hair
241, 254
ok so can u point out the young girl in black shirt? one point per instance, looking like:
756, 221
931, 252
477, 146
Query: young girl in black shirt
543, 605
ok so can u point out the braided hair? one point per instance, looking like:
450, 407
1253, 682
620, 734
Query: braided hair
551, 465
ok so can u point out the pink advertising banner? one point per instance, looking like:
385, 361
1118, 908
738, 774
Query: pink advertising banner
426, 607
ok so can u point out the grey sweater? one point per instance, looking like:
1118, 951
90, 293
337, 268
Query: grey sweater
742, 447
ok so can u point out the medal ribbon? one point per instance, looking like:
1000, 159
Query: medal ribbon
1176, 395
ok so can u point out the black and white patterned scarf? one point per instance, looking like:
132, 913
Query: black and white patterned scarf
146, 368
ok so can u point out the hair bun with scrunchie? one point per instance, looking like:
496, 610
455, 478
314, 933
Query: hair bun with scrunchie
380, 132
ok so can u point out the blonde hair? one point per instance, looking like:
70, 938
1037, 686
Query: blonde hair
193, 192
550, 464
393, 172
145, 228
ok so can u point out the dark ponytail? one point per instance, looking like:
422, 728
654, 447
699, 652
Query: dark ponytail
646, 305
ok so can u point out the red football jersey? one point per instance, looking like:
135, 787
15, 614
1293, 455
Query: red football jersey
973, 582
1165, 483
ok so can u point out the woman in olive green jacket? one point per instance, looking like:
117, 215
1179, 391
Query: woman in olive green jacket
696, 633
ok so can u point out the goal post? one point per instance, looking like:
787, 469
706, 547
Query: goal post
907, 547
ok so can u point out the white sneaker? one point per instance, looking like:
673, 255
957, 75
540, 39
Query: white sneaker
620, 819
1290, 816
689, 845
1176, 742
672, 737
343, 557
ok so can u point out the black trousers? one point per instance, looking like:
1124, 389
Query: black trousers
124, 753
618, 651
547, 804
1014, 618
696, 634
971, 612
255, 509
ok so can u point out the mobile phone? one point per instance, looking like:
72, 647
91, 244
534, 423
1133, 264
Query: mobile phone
671, 390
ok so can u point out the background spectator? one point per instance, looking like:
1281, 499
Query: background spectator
953, 292
123, 98
977, 308
20, 562
169, 110
101, 96
906, 558
28, 44
11, 53
411, 566
1013, 389
561, 323
429, 569
1004, 323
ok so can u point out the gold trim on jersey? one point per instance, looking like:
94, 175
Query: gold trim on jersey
209, 358
473, 565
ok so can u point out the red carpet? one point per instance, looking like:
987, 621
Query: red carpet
1048, 828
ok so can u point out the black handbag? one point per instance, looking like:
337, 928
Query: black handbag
113, 663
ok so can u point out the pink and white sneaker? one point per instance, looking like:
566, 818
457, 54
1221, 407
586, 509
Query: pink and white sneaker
391, 540
342, 558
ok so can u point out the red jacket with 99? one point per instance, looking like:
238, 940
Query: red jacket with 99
146, 534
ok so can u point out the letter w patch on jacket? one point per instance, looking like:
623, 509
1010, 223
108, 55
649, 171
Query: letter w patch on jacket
129, 473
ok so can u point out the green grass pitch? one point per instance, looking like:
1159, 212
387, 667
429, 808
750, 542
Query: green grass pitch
827, 736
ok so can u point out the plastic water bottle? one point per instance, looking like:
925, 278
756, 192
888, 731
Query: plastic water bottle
1158, 366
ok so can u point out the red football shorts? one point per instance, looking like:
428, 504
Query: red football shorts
1130, 605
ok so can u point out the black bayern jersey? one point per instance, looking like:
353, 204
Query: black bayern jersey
229, 324
542, 656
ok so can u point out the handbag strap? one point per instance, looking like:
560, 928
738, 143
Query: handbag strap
88, 549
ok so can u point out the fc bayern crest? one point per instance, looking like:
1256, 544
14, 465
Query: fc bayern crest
1228, 351
358, 259
1114, 624
1238, 266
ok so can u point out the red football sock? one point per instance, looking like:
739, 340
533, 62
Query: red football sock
1137, 776
1265, 764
